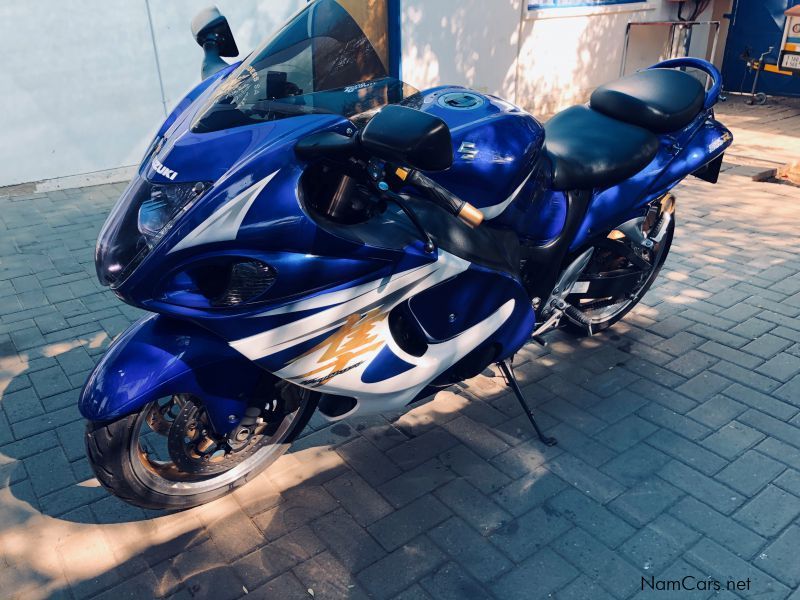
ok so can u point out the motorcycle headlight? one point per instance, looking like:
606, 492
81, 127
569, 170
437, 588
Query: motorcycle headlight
164, 203
140, 219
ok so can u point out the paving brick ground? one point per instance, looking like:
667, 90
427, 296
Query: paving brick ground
679, 438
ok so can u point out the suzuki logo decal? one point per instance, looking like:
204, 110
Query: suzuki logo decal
468, 151
354, 339
159, 168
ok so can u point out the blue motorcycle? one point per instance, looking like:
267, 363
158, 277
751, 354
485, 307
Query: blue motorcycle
310, 233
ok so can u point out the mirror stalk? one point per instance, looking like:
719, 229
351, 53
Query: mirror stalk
212, 61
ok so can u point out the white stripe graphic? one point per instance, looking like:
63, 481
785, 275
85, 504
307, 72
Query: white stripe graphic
224, 223
490, 212
345, 303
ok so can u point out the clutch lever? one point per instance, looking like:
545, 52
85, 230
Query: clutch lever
387, 194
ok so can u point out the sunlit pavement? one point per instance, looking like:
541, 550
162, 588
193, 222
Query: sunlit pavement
679, 437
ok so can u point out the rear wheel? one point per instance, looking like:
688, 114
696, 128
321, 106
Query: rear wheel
602, 313
166, 456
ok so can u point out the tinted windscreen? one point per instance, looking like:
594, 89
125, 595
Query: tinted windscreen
321, 61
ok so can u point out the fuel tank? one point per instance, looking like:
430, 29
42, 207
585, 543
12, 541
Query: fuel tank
495, 143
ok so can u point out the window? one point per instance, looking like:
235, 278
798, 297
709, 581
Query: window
541, 4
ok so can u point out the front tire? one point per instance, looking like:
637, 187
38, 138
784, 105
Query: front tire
123, 465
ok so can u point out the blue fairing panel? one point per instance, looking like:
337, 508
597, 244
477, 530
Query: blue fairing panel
703, 141
159, 356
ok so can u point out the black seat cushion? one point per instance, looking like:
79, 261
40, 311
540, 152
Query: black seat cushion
589, 150
661, 100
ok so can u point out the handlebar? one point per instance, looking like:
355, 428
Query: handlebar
442, 197
332, 146
712, 95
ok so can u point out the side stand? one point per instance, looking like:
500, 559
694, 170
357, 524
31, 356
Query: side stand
511, 380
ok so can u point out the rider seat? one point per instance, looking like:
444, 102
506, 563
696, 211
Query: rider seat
661, 100
590, 150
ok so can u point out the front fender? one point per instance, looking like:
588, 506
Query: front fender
159, 356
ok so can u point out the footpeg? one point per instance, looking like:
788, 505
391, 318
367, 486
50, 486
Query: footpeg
575, 315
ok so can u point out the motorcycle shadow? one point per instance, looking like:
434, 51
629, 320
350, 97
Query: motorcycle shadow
308, 513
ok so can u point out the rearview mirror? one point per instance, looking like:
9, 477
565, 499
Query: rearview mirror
212, 32
409, 137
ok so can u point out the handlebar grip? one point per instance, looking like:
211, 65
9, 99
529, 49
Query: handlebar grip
443, 197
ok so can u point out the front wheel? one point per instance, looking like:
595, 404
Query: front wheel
602, 313
166, 456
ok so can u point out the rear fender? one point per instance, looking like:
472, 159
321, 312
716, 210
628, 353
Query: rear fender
159, 356
707, 145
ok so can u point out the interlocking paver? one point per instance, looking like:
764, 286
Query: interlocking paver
407, 523
475, 508
635, 464
769, 511
414, 483
701, 487
529, 491
762, 402
398, 570
362, 501
729, 533
471, 550
591, 516
782, 367
704, 386
732, 439
480, 473
716, 561
277, 557
779, 559
657, 545
645, 500
451, 582
354, 547
536, 577
368, 461
750, 472
599, 563
580, 445
686, 451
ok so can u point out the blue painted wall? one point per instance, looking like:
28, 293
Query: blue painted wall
757, 24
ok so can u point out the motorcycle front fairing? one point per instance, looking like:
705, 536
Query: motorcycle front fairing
213, 235
158, 357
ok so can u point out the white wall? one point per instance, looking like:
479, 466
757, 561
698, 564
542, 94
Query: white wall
81, 86
543, 61
86, 82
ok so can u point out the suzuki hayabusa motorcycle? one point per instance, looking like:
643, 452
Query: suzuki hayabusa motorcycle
310, 233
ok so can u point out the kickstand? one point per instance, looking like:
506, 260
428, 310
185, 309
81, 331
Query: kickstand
511, 380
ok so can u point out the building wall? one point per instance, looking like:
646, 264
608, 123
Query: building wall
87, 82
544, 61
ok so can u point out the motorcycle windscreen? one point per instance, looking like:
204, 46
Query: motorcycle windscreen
142, 216
320, 62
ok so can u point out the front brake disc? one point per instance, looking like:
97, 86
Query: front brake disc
161, 416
